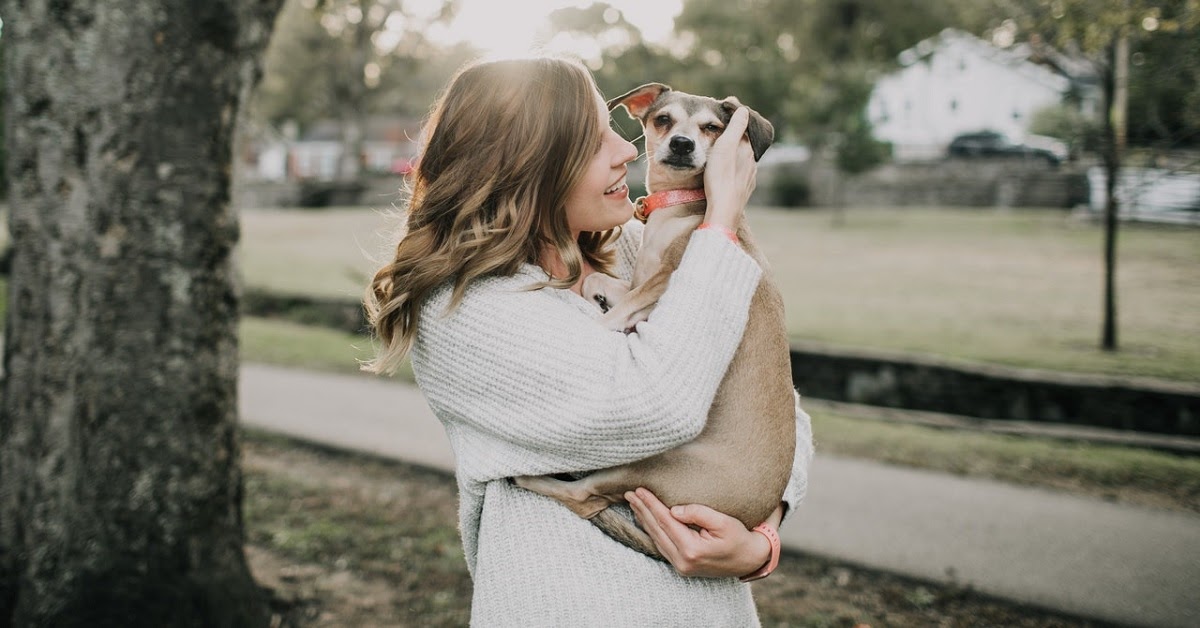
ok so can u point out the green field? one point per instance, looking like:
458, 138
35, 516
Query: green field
1014, 287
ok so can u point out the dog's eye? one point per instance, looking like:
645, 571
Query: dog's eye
712, 128
662, 120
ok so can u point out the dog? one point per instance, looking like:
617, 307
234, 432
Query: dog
741, 461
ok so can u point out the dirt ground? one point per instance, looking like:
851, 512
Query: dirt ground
345, 540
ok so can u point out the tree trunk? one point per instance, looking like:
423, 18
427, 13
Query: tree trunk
120, 490
1116, 89
352, 108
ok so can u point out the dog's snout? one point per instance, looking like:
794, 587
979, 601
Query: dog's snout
681, 145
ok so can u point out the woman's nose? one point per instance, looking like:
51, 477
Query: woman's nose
629, 153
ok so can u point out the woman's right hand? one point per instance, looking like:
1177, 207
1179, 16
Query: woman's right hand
699, 541
729, 177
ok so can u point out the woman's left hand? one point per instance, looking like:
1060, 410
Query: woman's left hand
699, 541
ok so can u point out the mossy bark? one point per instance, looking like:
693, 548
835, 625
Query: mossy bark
120, 491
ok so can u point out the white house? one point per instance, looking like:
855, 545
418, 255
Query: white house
954, 83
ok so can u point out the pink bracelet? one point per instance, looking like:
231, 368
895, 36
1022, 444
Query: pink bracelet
768, 531
729, 233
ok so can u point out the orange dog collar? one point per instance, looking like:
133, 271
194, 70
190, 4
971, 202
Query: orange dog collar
646, 205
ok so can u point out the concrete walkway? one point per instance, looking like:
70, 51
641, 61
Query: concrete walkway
1082, 556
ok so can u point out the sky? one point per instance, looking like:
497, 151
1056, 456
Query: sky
507, 28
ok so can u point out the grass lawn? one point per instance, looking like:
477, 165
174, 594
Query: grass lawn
1015, 287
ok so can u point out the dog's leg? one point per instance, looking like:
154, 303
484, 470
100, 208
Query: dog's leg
604, 290
636, 305
577, 495
618, 527
586, 498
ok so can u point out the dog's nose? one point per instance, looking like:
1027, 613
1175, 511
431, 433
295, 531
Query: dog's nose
681, 145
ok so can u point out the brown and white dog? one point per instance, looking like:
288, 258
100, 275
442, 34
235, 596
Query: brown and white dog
740, 463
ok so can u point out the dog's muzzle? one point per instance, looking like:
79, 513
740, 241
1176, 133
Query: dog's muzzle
682, 153
681, 145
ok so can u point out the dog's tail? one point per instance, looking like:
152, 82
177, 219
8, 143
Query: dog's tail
626, 532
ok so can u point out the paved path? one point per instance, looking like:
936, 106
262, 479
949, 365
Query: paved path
1083, 556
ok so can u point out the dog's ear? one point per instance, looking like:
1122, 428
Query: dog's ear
637, 102
760, 130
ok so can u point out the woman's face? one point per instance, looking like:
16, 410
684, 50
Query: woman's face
600, 199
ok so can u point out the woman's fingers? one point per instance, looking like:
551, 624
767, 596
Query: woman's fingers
729, 176
652, 524
735, 129
700, 516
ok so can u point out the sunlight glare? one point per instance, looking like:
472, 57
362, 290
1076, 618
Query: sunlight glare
506, 29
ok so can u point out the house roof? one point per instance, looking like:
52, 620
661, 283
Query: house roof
1070, 64
1016, 58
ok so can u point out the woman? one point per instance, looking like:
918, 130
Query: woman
518, 195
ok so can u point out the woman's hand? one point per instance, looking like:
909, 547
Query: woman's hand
717, 546
729, 176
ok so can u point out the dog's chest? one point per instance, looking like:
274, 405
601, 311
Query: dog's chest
656, 238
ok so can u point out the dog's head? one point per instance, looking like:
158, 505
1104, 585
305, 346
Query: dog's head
680, 128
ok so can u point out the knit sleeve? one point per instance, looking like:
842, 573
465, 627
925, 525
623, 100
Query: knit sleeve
528, 383
797, 487
627, 247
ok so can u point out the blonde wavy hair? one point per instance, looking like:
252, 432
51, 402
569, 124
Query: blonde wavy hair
503, 145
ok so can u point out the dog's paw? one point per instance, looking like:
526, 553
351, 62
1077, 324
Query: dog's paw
603, 290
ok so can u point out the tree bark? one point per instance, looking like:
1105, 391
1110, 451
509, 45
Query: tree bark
120, 490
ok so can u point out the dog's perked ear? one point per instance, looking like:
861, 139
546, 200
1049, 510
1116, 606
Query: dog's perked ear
760, 130
637, 101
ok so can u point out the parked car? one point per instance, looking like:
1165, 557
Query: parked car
996, 144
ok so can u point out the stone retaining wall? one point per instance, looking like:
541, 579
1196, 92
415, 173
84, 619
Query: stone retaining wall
993, 392
946, 183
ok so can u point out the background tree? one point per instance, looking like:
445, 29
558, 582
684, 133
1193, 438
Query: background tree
802, 61
625, 59
1107, 32
347, 59
120, 492
1164, 85
3, 174
809, 65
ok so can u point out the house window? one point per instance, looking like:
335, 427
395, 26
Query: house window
953, 104
1016, 115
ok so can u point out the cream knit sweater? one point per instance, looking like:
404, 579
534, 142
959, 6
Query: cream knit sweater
526, 382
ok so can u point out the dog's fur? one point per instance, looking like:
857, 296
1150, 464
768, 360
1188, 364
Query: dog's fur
741, 461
